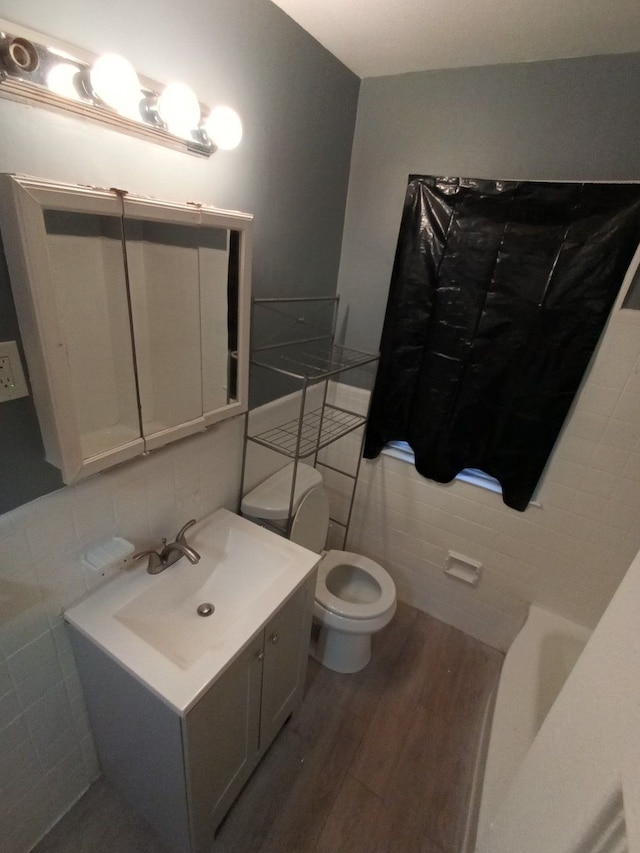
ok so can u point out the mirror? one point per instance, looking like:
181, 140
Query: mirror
88, 277
164, 283
134, 316
182, 284
218, 255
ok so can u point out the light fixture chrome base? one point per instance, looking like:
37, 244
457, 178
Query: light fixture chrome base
26, 61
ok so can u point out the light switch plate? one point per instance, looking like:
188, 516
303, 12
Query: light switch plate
12, 381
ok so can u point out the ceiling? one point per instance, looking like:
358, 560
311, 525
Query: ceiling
379, 37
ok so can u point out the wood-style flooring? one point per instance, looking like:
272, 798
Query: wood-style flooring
376, 762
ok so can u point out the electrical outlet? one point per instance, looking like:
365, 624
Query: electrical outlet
12, 381
6, 374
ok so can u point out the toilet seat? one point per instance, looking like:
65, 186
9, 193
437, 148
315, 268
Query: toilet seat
350, 609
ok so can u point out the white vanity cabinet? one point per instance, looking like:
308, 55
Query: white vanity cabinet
134, 316
182, 772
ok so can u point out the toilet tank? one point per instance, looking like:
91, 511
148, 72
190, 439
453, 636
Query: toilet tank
270, 500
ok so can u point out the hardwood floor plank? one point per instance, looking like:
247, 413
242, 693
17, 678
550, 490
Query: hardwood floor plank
263, 797
352, 822
324, 702
360, 823
432, 779
428, 794
301, 819
393, 836
101, 822
363, 689
385, 736
462, 680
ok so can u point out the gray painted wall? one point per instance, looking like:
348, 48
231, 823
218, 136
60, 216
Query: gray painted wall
566, 120
298, 106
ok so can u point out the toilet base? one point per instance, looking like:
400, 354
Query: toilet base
341, 652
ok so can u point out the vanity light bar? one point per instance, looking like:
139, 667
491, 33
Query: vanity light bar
108, 90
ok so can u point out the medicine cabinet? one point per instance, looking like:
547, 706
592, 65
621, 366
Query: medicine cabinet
134, 315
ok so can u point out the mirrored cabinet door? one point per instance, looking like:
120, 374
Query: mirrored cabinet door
218, 320
64, 252
88, 278
163, 267
225, 270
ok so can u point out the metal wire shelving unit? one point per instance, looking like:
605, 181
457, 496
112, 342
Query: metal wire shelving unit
308, 358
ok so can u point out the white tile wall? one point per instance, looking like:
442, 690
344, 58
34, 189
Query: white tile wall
567, 555
47, 756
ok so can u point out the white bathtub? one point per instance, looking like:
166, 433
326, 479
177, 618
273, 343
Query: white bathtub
535, 668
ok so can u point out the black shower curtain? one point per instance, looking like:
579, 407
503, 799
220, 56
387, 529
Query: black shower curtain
499, 293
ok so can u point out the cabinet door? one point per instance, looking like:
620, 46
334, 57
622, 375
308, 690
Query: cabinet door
221, 743
285, 661
225, 270
64, 251
162, 250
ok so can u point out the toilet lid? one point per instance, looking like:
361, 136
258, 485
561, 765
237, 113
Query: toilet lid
354, 609
311, 521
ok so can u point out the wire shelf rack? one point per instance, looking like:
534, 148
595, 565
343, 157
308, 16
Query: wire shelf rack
319, 428
312, 360
294, 337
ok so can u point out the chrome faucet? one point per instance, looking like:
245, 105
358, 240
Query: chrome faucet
170, 552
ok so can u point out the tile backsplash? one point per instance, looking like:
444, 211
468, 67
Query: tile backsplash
47, 756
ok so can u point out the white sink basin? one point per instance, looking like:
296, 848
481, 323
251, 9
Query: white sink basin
233, 570
150, 623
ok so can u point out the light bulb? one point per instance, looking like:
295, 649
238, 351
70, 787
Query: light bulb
114, 81
224, 128
179, 109
61, 80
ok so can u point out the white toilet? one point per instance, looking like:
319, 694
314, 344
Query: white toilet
355, 596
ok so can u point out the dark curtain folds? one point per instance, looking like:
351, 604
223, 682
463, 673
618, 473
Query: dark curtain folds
499, 293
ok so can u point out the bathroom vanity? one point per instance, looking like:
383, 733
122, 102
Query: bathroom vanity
183, 706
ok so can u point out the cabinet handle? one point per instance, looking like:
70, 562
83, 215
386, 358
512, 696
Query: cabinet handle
275, 638
260, 655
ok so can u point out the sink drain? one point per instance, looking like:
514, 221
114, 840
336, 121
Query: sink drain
205, 609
